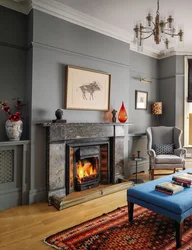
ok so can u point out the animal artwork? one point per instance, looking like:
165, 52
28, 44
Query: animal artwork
89, 89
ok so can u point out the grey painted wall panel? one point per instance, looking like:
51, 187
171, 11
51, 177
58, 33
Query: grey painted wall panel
172, 91
179, 101
180, 83
180, 65
13, 27
28, 92
12, 80
61, 34
48, 94
49, 87
30, 28
142, 66
167, 96
167, 67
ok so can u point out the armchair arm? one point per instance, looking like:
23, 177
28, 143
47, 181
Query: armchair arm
151, 153
181, 152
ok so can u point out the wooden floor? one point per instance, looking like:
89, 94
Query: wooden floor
24, 227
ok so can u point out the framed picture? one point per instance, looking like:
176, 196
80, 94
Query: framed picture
141, 99
87, 89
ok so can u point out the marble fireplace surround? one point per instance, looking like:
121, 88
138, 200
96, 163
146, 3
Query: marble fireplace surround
59, 138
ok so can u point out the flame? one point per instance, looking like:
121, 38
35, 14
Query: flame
85, 169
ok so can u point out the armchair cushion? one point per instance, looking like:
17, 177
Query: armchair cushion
168, 159
161, 149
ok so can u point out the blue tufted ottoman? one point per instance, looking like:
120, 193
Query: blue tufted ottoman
177, 206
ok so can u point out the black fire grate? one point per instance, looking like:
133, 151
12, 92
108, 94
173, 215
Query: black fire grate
87, 182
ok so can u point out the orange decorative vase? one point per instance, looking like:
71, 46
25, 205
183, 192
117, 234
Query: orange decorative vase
122, 116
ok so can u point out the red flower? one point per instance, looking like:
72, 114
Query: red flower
13, 117
6, 108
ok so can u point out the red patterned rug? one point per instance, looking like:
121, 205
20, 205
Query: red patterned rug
112, 231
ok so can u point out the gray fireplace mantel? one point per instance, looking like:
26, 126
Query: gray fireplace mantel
69, 131
59, 137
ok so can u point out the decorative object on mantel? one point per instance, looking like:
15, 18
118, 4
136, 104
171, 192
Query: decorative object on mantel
160, 28
87, 89
156, 109
59, 116
122, 115
14, 125
114, 115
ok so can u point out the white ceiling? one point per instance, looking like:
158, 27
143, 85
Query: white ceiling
123, 14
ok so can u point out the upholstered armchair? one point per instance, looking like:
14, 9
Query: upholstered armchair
164, 148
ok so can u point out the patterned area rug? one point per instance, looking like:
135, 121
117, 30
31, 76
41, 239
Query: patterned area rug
112, 231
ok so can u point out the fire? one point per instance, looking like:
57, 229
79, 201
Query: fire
85, 169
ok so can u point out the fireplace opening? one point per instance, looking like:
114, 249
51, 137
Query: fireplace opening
87, 168
87, 173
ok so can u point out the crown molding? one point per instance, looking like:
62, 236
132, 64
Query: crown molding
57, 9
62, 11
22, 6
173, 52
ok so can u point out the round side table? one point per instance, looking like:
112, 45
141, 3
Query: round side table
137, 159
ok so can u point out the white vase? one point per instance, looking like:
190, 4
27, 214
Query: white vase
14, 130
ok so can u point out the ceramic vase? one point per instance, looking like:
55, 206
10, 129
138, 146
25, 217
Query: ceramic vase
14, 130
122, 115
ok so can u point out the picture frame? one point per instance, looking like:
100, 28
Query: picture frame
87, 89
141, 99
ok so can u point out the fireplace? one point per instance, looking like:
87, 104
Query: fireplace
87, 165
82, 157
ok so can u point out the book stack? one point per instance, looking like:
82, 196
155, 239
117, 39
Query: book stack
184, 179
169, 188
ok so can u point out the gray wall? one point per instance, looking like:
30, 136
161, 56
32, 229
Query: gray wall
180, 84
57, 43
54, 47
142, 66
38, 76
171, 91
12, 61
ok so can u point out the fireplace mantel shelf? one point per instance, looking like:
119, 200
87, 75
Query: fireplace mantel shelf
70, 131
49, 123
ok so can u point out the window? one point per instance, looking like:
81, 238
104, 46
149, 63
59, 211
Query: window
188, 102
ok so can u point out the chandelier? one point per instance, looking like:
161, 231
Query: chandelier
160, 29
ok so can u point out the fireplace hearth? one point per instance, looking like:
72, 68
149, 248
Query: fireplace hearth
82, 157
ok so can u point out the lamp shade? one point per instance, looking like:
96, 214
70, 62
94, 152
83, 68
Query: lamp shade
157, 108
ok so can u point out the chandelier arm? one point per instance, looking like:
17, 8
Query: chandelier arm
171, 34
148, 36
147, 32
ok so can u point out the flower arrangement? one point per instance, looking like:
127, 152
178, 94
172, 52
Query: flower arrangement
15, 116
